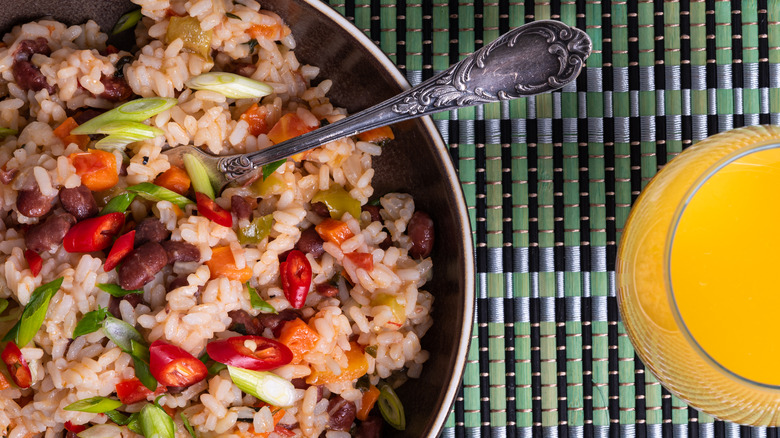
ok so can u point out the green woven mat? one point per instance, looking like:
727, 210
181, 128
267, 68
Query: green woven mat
549, 183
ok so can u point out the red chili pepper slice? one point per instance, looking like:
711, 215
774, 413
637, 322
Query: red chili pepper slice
174, 366
132, 391
296, 278
17, 365
281, 430
75, 428
267, 354
212, 211
361, 260
34, 261
93, 234
119, 251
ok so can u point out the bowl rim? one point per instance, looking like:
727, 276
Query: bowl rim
462, 213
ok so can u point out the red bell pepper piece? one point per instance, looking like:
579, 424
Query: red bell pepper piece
93, 234
174, 366
266, 355
212, 211
17, 365
296, 278
132, 391
75, 428
119, 251
361, 260
34, 261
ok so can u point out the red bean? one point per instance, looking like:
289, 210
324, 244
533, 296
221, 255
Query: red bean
141, 265
116, 89
48, 235
245, 323
240, 207
327, 290
150, 230
374, 211
341, 412
32, 203
420, 230
370, 428
181, 251
310, 242
79, 202
321, 209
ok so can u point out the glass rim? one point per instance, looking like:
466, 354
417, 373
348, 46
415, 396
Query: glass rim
667, 262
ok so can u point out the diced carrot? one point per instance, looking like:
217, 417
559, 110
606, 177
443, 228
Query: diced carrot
334, 231
299, 338
3, 382
255, 117
170, 411
377, 135
96, 168
222, 264
266, 31
63, 133
289, 126
277, 415
357, 366
367, 403
177, 210
175, 179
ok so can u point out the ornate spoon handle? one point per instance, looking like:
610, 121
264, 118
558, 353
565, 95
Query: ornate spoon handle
538, 57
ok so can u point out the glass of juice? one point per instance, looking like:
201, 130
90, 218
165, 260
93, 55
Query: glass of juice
698, 276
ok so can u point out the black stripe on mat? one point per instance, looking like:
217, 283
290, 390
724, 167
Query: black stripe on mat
400, 38
427, 41
737, 72
349, 10
375, 28
771, 432
454, 57
508, 261
614, 380
660, 82
559, 266
533, 265
482, 303
720, 429
685, 67
640, 402
763, 54
712, 68
633, 85
666, 412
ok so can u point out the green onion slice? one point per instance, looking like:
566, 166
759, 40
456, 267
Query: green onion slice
268, 169
229, 15
391, 408
134, 111
116, 291
132, 423
95, 405
230, 85
144, 374
118, 204
155, 193
118, 141
5, 132
139, 350
124, 127
199, 175
91, 322
266, 386
127, 21
187, 425
156, 423
34, 313
3, 304
259, 303
121, 333
118, 417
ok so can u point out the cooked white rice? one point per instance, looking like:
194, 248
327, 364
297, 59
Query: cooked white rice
65, 370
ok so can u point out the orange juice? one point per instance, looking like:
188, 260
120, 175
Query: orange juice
697, 276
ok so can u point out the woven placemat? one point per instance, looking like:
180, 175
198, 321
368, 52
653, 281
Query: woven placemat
549, 182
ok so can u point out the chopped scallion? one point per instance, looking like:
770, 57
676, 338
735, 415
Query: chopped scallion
134, 111
259, 303
90, 322
118, 141
199, 175
95, 405
266, 386
268, 169
33, 314
124, 127
127, 21
156, 193
230, 85
118, 204
121, 333
3, 304
156, 423
5, 132
187, 425
118, 417
116, 291
391, 408
229, 15
144, 374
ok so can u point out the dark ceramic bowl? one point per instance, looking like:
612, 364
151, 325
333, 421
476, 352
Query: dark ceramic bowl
417, 162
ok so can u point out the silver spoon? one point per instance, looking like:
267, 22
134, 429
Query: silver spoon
531, 59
